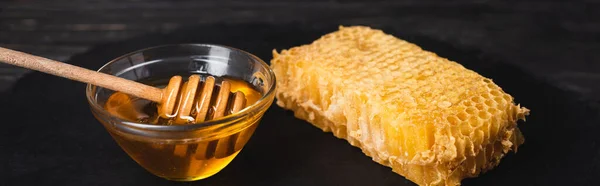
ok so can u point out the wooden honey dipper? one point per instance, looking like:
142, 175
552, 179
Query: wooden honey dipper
191, 104
172, 101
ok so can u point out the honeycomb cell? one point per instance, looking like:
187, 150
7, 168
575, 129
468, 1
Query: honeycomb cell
507, 97
476, 99
500, 100
471, 110
480, 106
492, 111
484, 114
495, 93
453, 120
489, 102
485, 96
465, 129
462, 116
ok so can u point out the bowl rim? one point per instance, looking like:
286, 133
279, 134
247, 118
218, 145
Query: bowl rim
229, 120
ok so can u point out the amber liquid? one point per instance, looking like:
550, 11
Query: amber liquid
178, 160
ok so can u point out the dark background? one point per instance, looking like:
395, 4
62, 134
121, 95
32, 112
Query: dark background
545, 53
554, 39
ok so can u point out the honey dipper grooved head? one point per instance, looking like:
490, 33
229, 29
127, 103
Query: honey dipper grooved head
193, 101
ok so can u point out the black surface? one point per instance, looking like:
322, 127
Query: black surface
51, 138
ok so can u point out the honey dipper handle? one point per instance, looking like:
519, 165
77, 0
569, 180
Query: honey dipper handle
79, 74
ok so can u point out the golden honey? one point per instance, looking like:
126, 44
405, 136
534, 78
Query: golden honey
182, 160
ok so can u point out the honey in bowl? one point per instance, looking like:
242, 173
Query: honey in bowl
185, 160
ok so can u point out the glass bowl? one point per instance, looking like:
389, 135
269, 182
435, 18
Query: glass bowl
192, 151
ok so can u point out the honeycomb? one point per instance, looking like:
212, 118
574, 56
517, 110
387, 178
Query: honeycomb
428, 118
